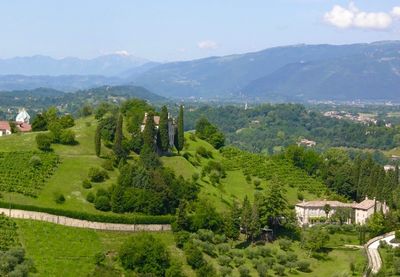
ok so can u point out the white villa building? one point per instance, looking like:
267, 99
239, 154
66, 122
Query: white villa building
171, 126
306, 211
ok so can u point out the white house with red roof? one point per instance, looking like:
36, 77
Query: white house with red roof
5, 128
307, 211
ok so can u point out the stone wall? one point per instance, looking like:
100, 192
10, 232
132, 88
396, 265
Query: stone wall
72, 222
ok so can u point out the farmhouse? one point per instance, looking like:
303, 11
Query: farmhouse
171, 126
310, 211
5, 128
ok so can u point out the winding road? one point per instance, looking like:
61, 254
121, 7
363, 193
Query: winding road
374, 259
72, 222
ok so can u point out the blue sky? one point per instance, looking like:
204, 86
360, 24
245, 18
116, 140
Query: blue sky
167, 30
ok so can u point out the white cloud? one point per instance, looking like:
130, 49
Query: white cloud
207, 44
396, 12
351, 16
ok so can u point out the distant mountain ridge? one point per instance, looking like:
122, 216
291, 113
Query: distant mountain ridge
365, 71
106, 65
299, 72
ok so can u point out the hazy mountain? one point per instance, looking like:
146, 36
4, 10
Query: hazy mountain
63, 82
306, 71
107, 65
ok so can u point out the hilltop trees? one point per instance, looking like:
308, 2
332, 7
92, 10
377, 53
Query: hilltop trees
210, 133
163, 137
117, 147
179, 138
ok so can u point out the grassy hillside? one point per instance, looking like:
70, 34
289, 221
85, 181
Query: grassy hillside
73, 168
57, 251
238, 165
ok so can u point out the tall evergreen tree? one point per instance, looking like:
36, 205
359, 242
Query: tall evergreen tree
396, 173
97, 141
180, 139
149, 132
163, 136
246, 215
117, 147
255, 226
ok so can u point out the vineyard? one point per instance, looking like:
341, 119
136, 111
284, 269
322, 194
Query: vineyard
26, 172
8, 233
265, 168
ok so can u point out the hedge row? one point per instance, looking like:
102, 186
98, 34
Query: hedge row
106, 218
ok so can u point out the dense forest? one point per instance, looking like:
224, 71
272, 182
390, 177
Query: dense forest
266, 128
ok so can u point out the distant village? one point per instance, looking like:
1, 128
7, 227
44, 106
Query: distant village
361, 118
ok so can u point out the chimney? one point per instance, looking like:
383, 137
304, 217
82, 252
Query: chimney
366, 197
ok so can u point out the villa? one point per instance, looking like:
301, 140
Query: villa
308, 211
5, 128
171, 126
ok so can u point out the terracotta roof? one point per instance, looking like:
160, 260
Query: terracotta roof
322, 203
4, 125
24, 127
365, 204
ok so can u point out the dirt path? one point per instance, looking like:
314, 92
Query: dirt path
72, 222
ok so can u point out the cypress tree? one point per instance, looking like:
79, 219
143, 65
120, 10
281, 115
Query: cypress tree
149, 132
180, 140
117, 147
396, 173
97, 141
246, 215
163, 136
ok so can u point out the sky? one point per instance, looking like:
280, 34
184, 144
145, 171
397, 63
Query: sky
168, 30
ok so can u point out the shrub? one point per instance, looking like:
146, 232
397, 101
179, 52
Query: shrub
208, 248
281, 258
43, 142
285, 244
303, 265
194, 257
205, 235
102, 203
206, 270
35, 161
181, 238
244, 271
257, 183
265, 251
86, 184
219, 238
175, 270
90, 197
107, 165
203, 152
97, 175
291, 256
224, 260
225, 271
262, 269
67, 137
238, 261
59, 198
397, 235
253, 253
223, 248
144, 254
236, 253
300, 196
99, 258
279, 270
195, 177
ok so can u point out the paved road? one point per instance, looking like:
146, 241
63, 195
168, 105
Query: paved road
374, 259
72, 222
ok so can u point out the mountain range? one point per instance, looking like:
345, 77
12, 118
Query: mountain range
366, 71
